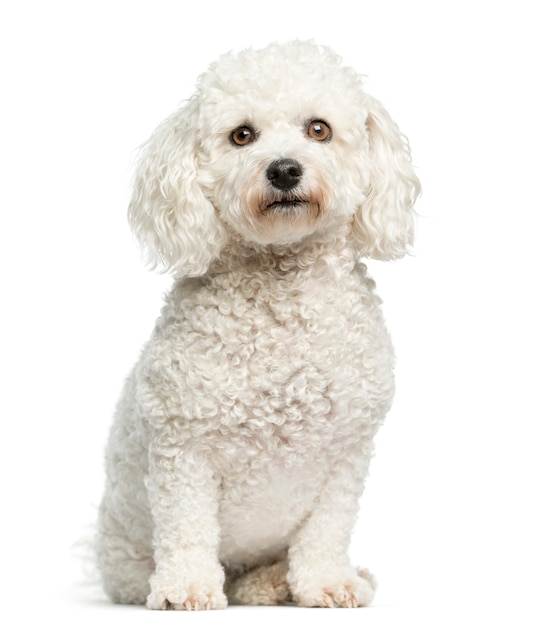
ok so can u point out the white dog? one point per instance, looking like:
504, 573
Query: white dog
241, 442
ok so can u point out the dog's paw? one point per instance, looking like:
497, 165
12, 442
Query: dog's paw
345, 591
188, 597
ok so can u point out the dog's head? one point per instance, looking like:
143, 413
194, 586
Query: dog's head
278, 146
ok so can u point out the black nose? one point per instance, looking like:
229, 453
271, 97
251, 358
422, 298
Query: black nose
284, 174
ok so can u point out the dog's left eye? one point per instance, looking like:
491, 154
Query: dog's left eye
318, 130
242, 136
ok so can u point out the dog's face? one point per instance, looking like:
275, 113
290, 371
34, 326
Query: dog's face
284, 150
278, 146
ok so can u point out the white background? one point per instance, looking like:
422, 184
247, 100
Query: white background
459, 520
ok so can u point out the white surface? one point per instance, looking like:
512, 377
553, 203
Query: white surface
459, 519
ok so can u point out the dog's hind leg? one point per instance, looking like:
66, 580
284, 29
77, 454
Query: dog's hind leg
125, 563
265, 585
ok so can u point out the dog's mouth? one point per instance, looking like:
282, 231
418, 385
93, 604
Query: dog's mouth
285, 205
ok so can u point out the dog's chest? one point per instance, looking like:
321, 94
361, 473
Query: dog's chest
268, 369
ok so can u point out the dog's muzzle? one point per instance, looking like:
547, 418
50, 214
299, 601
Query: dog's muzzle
284, 175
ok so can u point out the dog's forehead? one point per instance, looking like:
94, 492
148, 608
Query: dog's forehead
293, 79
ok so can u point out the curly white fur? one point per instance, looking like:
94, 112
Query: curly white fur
241, 442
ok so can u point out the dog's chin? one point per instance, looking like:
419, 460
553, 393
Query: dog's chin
270, 217
284, 221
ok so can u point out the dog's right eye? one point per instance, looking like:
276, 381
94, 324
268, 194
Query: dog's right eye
242, 136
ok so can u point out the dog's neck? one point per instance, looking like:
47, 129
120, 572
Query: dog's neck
285, 258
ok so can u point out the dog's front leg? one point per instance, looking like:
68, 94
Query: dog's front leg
320, 573
184, 498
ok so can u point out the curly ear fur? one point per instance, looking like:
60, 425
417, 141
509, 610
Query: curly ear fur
383, 227
174, 222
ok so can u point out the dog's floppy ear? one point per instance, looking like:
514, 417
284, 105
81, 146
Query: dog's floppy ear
383, 227
174, 222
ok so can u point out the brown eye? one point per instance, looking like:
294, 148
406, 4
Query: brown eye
242, 136
319, 131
